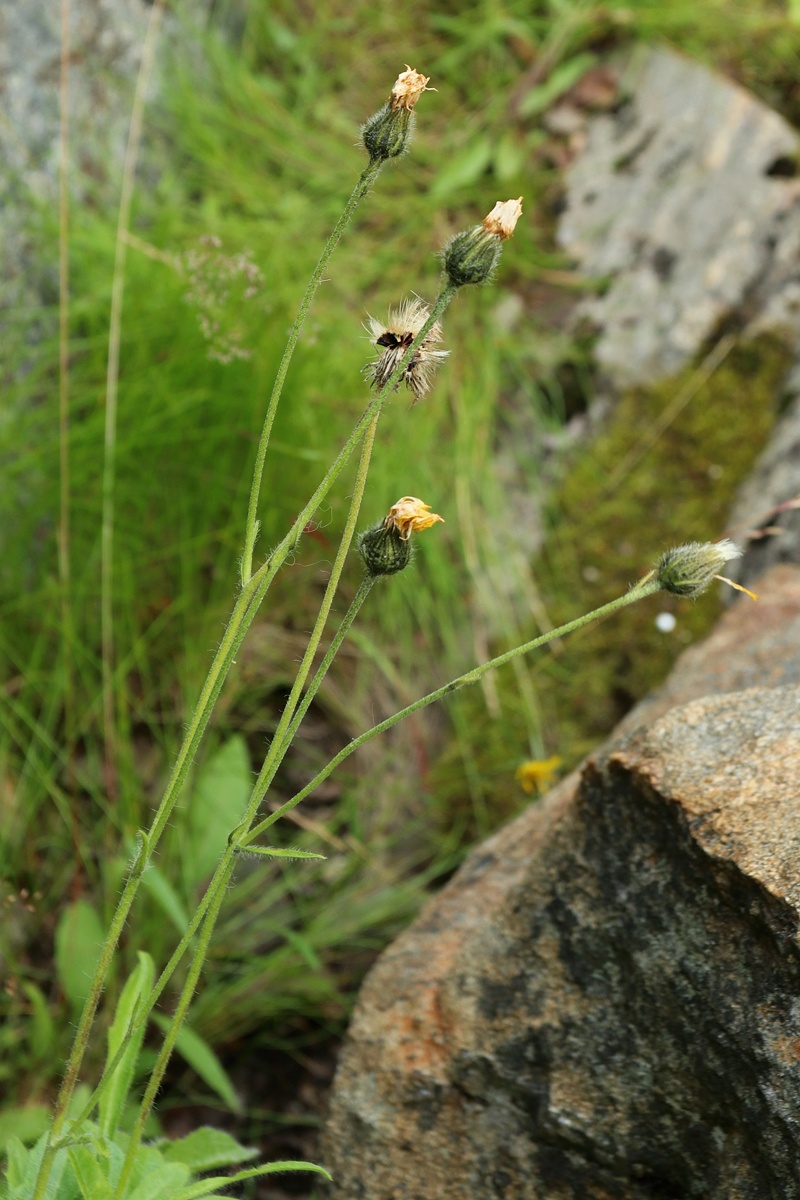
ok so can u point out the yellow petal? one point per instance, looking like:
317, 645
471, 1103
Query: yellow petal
409, 515
537, 773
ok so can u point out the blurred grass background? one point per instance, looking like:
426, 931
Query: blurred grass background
253, 142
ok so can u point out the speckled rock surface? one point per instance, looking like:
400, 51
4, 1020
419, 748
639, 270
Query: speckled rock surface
684, 201
766, 515
604, 1003
106, 38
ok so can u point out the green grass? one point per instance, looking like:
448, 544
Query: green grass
255, 144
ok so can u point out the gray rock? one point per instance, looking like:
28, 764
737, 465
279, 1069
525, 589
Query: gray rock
106, 39
603, 1003
766, 516
685, 202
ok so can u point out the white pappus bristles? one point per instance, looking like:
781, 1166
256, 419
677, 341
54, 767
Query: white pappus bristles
393, 339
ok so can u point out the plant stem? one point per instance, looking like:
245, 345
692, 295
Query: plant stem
244, 611
364, 589
366, 179
282, 736
638, 592
218, 888
275, 754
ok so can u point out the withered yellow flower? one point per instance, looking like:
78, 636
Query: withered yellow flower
409, 515
408, 88
503, 218
537, 773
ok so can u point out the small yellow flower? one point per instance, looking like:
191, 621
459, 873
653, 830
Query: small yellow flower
408, 88
503, 218
537, 773
409, 515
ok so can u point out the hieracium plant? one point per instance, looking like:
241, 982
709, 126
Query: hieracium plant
86, 1152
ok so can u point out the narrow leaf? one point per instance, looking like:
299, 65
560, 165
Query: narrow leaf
463, 169
559, 81
41, 1032
216, 806
162, 1183
207, 1148
24, 1124
90, 1175
208, 1187
202, 1058
166, 898
137, 987
275, 852
79, 940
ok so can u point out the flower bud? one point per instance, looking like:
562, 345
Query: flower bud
688, 570
386, 548
471, 256
387, 133
383, 550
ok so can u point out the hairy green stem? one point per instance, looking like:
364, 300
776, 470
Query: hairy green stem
364, 589
366, 179
218, 888
646, 588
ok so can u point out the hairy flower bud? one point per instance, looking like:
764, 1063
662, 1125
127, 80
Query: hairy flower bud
688, 570
472, 255
386, 548
387, 133
383, 550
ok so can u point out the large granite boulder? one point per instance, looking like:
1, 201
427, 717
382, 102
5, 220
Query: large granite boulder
605, 1000
684, 203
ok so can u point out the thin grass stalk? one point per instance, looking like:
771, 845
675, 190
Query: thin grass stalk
646, 588
365, 181
112, 387
64, 571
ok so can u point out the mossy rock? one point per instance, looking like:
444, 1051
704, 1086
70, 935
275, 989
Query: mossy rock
644, 484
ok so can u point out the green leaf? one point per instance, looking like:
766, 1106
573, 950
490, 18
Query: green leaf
560, 80
24, 1124
463, 169
509, 158
79, 940
17, 1161
91, 1177
166, 897
208, 1187
41, 1031
273, 852
202, 1058
207, 1148
161, 1184
137, 988
304, 948
214, 809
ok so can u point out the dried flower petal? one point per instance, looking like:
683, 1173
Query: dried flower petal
408, 88
503, 218
409, 515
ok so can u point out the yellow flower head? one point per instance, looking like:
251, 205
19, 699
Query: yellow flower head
409, 515
503, 218
537, 773
408, 88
